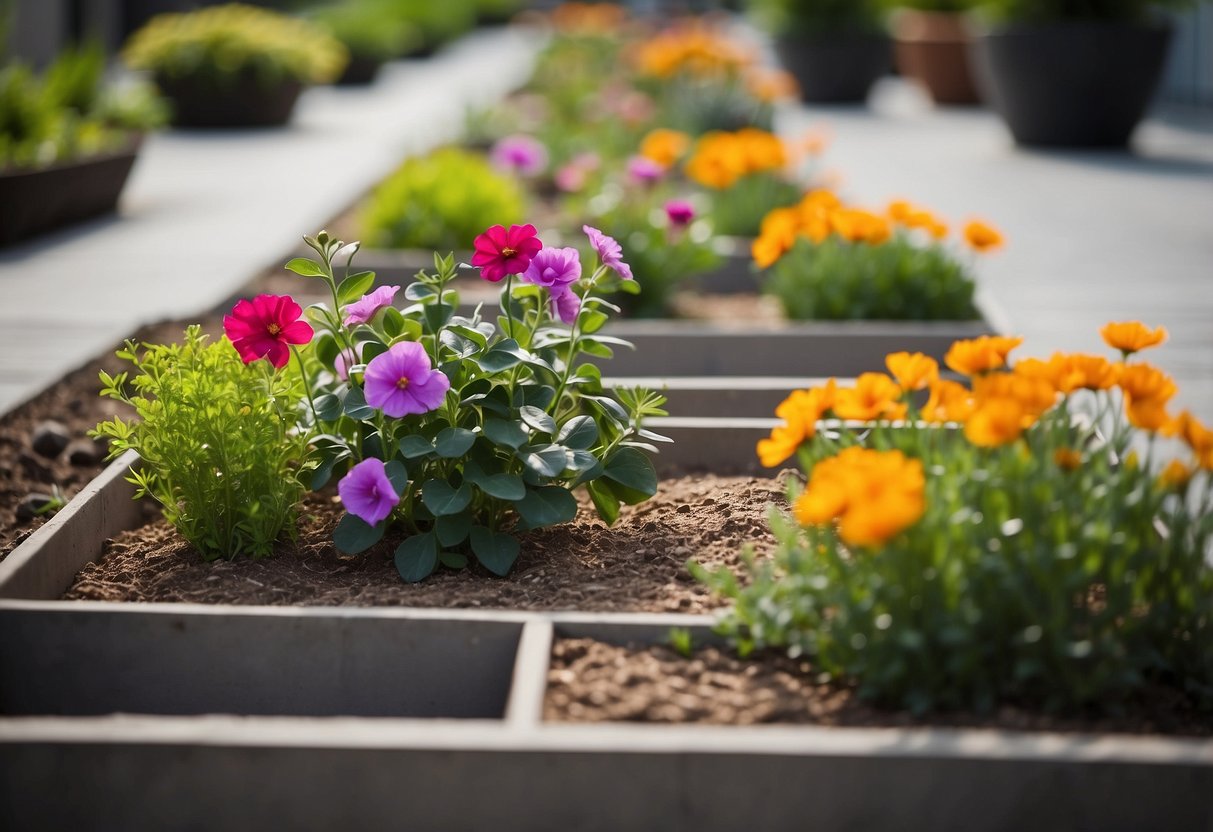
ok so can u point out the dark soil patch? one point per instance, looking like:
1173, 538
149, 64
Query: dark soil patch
591, 681
639, 565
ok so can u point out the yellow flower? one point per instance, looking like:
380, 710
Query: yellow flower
913, 371
1147, 391
800, 412
996, 422
980, 355
949, 402
776, 236
982, 237
1079, 371
665, 146
874, 396
858, 226
1034, 395
1067, 458
1198, 437
900, 210
1132, 336
1175, 476
874, 495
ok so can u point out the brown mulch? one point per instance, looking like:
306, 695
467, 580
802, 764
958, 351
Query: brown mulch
639, 565
591, 681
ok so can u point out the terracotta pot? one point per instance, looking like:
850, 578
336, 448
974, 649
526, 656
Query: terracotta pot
933, 49
1072, 84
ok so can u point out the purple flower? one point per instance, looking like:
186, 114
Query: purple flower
402, 381
555, 269
367, 493
362, 310
566, 305
680, 212
608, 251
347, 358
522, 154
644, 170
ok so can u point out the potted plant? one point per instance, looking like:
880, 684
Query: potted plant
67, 144
234, 65
1073, 73
836, 49
371, 34
931, 39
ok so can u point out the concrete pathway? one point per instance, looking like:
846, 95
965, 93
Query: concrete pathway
1092, 236
205, 211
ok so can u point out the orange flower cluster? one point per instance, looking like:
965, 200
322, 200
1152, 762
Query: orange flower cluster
873, 495
588, 18
693, 49
720, 158
821, 214
665, 146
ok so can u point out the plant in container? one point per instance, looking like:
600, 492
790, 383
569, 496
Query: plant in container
932, 41
836, 49
1014, 539
234, 65
828, 261
371, 34
1073, 72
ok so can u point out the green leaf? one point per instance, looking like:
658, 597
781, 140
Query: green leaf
593, 321
632, 474
454, 442
495, 551
324, 472
452, 529
354, 287
579, 433
353, 535
470, 333
546, 506
393, 322
306, 268
328, 408
416, 557
419, 291
415, 445
442, 499
501, 358
537, 419
437, 314
544, 460
604, 501
506, 433
453, 560
502, 486
326, 349
398, 475
356, 406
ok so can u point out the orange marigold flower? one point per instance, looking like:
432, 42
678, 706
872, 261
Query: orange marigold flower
1067, 458
776, 236
800, 412
1082, 371
858, 226
1147, 390
665, 146
949, 402
1198, 437
874, 396
1132, 336
900, 210
821, 198
875, 495
982, 237
1035, 395
980, 355
784, 441
913, 371
769, 85
996, 422
1175, 476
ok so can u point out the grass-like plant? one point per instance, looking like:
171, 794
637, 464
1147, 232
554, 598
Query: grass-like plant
441, 201
219, 441
993, 548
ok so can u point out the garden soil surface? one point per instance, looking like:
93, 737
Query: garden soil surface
591, 681
638, 565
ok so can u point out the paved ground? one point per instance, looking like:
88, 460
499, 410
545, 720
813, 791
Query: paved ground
205, 211
1092, 236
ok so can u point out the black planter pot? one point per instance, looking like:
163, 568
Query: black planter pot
836, 68
1074, 84
360, 71
36, 201
198, 101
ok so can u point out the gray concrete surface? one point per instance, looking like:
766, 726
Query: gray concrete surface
205, 211
1091, 236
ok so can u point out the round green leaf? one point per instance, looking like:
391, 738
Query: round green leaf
398, 475
355, 286
546, 506
328, 408
454, 442
506, 433
503, 486
453, 560
495, 551
353, 535
416, 557
356, 406
304, 267
537, 419
544, 460
442, 499
578, 433
415, 445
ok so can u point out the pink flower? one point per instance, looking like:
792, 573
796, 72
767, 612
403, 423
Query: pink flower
367, 493
500, 252
644, 170
524, 155
566, 305
680, 212
264, 327
402, 381
557, 269
609, 251
362, 310
347, 358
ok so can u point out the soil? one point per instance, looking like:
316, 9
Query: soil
591, 681
638, 565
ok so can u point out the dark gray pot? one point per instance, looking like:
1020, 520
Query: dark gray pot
1073, 84
835, 68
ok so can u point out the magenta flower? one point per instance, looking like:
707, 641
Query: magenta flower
362, 310
500, 252
264, 327
367, 493
402, 381
644, 170
523, 155
609, 251
680, 212
566, 305
557, 269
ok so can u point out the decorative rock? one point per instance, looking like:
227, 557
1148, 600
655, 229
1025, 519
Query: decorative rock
33, 504
50, 438
35, 467
85, 452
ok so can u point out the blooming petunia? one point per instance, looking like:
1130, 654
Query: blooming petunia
524, 155
644, 170
367, 493
499, 252
609, 251
557, 269
265, 327
402, 381
679, 212
362, 310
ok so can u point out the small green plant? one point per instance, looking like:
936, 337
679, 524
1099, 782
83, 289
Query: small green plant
792, 17
220, 442
441, 201
234, 44
369, 29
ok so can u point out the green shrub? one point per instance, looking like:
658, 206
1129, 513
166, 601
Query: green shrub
228, 44
441, 201
218, 439
793, 17
369, 29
